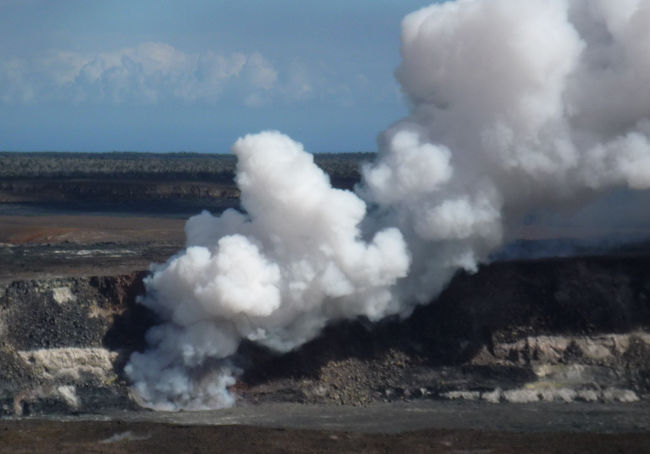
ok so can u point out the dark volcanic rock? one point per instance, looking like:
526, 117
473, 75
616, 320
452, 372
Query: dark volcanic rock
69, 312
557, 329
140, 195
63, 342
493, 329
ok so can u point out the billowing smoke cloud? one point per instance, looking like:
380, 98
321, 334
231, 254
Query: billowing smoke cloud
513, 105
275, 276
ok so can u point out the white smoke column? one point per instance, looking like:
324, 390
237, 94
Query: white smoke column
514, 104
275, 276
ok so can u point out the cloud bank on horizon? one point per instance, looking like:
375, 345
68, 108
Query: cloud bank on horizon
148, 73
120, 52
514, 105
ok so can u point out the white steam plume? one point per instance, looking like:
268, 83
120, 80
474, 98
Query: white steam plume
275, 276
514, 104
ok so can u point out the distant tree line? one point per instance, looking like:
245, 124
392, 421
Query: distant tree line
343, 168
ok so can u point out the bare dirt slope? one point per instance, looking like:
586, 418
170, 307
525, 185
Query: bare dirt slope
33, 247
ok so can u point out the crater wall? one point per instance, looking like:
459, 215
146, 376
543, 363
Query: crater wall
518, 331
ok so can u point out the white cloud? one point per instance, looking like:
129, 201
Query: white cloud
261, 73
147, 73
300, 83
154, 72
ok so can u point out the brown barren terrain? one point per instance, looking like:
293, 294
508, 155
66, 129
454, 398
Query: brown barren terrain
85, 229
29, 436
33, 247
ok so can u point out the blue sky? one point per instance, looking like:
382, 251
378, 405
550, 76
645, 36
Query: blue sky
195, 75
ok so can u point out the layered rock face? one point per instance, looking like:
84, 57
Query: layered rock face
518, 331
63, 343
556, 329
